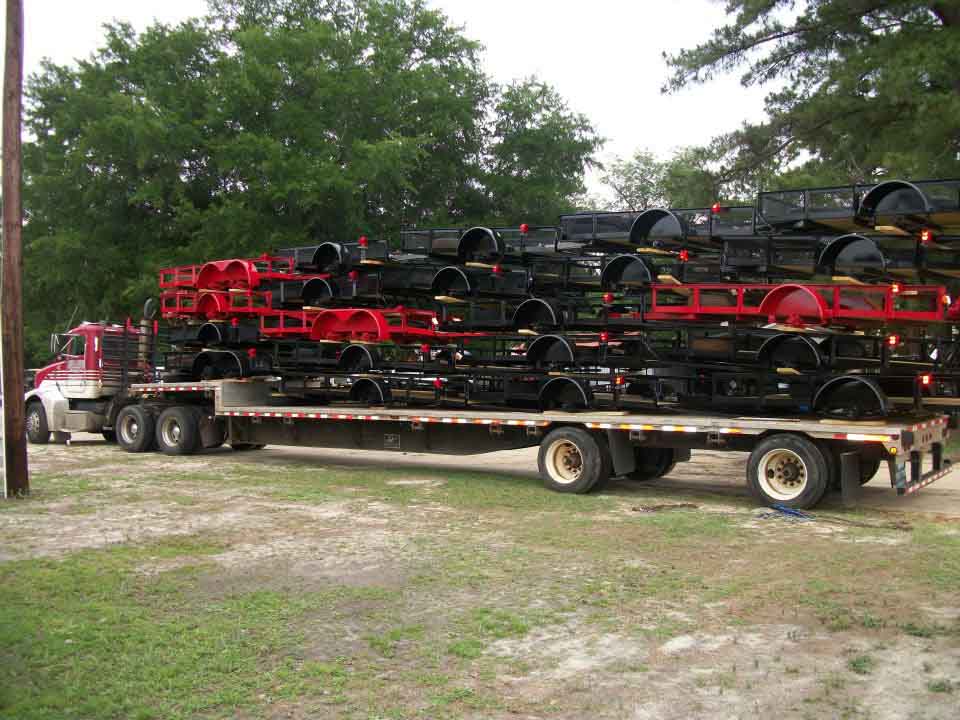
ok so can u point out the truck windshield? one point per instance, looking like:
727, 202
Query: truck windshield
70, 344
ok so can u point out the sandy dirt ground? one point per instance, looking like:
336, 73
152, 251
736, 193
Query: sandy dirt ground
501, 600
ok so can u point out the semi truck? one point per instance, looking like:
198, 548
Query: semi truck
104, 380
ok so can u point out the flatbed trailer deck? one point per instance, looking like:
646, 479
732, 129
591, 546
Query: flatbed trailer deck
793, 460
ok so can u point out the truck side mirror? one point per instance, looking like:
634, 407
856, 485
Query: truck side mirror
53, 344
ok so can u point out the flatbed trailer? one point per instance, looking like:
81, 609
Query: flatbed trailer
793, 460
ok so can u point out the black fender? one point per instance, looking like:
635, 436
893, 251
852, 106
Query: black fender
559, 387
318, 291
535, 311
479, 243
625, 268
858, 250
331, 257
449, 280
370, 391
228, 360
893, 197
357, 358
772, 344
553, 349
869, 386
658, 223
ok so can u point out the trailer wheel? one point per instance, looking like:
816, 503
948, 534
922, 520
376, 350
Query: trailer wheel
869, 468
869, 465
651, 463
38, 432
136, 429
572, 460
787, 470
178, 432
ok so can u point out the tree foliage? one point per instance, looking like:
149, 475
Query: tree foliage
272, 123
864, 88
687, 180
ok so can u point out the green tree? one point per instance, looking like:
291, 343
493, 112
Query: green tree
271, 123
540, 150
865, 88
638, 182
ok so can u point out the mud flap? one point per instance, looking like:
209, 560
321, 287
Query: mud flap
621, 451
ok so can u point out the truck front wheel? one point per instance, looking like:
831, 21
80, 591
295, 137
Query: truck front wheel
572, 460
789, 470
135, 429
178, 432
38, 432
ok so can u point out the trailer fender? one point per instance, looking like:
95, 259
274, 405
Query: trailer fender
535, 311
480, 244
219, 364
451, 280
552, 349
563, 393
893, 197
851, 251
790, 350
851, 394
625, 270
657, 224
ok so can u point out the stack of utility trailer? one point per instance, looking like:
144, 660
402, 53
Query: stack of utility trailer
829, 301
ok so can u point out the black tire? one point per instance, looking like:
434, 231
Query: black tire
109, 435
243, 447
789, 470
572, 460
868, 467
136, 429
651, 463
178, 431
38, 432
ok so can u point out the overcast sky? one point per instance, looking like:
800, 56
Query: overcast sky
604, 56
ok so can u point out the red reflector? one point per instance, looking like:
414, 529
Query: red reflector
353, 275
895, 288
496, 269
251, 353
425, 348
893, 340
620, 380
684, 255
926, 379
524, 229
363, 242
234, 322
926, 236
604, 336
715, 208
607, 298
438, 383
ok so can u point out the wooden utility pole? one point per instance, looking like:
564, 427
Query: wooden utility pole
11, 299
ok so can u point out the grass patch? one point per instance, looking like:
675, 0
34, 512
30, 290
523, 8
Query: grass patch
939, 562
941, 685
861, 664
682, 524
86, 637
386, 643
